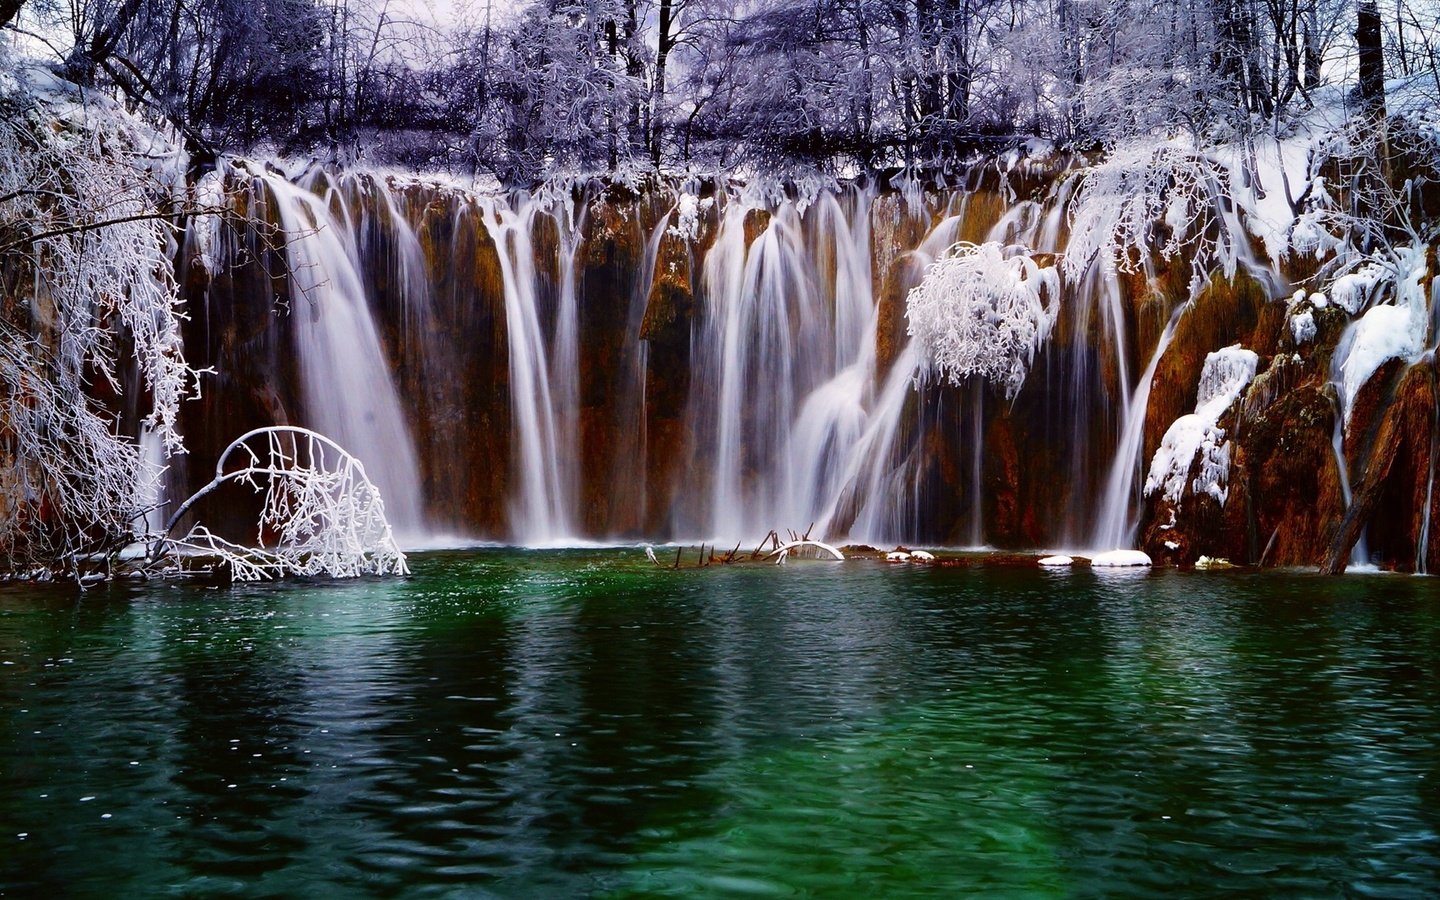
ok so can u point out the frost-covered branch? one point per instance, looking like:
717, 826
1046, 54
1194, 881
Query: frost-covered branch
320, 516
1149, 200
983, 310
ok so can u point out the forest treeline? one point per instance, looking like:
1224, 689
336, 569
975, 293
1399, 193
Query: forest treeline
525, 90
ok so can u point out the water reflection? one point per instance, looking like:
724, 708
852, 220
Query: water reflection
580, 723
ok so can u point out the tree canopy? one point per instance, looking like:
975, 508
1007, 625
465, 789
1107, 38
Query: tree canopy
526, 90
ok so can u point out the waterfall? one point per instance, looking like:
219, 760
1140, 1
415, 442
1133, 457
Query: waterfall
878, 497
153, 490
799, 402
345, 380
766, 346
633, 466
1422, 550
1115, 524
543, 500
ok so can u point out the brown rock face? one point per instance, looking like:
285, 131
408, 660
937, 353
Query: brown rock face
1285, 469
236, 328
666, 332
456, 374
611, 373
1284, 496
1224, 313
1392, 438
1007, 524
892, 334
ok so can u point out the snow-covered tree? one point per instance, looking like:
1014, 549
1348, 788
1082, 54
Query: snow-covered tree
85, 272
983, 310
1152, 199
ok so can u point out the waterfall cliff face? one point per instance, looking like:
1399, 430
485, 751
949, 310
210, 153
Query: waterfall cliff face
701, 362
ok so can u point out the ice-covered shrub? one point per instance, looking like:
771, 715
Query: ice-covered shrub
1150, 199
982, 310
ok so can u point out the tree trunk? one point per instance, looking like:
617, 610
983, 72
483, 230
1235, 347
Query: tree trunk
1312, 51
1372, 57
657, 97
9, 9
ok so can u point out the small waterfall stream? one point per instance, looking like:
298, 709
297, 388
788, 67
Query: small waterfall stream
1115, 522
543, 500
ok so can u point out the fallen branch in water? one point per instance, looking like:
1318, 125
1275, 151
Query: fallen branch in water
327, 516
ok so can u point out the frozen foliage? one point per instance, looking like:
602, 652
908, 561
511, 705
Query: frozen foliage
1354, 290
1150, 200
983, 310
687, 215
84, 246
325, 515
1195, 440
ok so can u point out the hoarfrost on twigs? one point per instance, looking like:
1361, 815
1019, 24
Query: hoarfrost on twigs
85, 191
325, 515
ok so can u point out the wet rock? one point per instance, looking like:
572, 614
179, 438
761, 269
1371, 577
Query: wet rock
892, 333
1392, 470
611, 375
1224, 313
756, 221
667, 328
1284, 472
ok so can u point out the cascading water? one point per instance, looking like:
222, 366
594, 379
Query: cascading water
1115, 523
802, 396
153, 492
765, 345
543, 502
347, 389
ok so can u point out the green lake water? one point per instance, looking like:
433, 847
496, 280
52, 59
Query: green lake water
580, 723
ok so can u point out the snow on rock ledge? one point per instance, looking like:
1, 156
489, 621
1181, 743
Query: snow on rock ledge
1226, 374
1385, 332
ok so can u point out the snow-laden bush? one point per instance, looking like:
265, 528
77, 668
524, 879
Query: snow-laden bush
1149, 200
85, 270
1225, 375
982, 310
321, 514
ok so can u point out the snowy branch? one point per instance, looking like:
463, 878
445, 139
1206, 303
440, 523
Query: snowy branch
85, 247
1151, 200
321, 512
